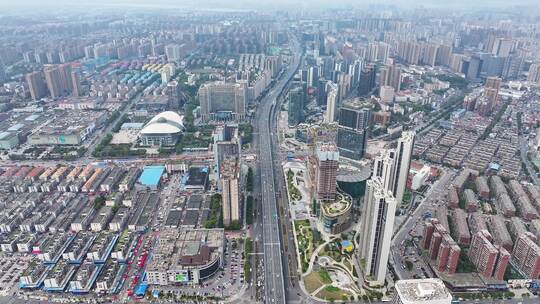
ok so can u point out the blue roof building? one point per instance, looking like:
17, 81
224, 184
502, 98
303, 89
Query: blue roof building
151, 176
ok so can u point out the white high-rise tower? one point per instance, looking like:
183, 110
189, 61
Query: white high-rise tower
377, 228
384, 193
402, 164
332, 102
393, 166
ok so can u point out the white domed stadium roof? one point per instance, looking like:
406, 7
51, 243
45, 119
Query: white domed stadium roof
164, 123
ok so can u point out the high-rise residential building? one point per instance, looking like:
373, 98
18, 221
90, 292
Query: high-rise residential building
488, 44
383, 51
384, 73
428, 54
448, 255
526, 255
386, 94
144, 49
40, 57
227, 142
421, 291
534, 73
493, 83
456, 62
328, 66
513, 65
491, 90
52, 57
460, 228
29, 57
89, 52
384, 167
402, 164
393, 165
344, 83
502, 262
176, 99
355, 69
326, 167
442, 249
474, 67
322, 92
361, 51
174, 52
372, 52
52, 78
499, 232
65, 76
390, 75
230, 189
377, 229
427, 234
312, 76
76, 84
303, 73
485, 104
353, 130
158, 49
58, 79
36, 85
223, 101
273, 64
489, 260
332, 102
367, 80
101, 50
3, 75
296, 106
409, 51
379, 209
444, 55
165, 75
492, 66
124, 51
502, 47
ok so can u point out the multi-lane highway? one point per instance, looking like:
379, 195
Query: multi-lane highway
274, 283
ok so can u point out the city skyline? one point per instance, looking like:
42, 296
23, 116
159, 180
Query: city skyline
270, 151
217, 5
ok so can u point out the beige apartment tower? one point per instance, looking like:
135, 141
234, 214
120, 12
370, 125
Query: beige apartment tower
326, 171
230, 187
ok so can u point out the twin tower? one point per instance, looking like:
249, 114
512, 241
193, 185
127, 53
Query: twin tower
384, 193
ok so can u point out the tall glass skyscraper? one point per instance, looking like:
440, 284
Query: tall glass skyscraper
296, 106
353, 131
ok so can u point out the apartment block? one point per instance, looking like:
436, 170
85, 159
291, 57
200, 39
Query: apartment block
489, 260
526, 255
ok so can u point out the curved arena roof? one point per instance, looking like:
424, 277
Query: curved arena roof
164, 123
352, 174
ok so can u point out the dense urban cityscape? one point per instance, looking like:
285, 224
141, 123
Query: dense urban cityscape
273, 152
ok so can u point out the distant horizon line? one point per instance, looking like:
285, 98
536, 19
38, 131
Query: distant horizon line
307, 6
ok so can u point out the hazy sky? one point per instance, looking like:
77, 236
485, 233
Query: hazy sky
263, 4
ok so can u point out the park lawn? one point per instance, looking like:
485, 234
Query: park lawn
325, 277
312, 281
333, 293
293, 191
304, 236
